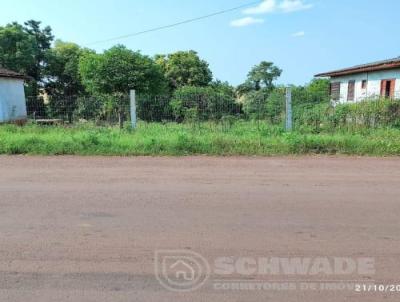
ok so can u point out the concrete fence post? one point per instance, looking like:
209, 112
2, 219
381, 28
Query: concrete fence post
133, 108
289, 112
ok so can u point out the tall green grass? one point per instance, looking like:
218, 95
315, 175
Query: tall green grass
350, 117
239, 138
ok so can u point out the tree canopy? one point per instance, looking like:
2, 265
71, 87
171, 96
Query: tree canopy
184, 68
23, 49
260, 77
62, 81
16, 48
119, 70
179, 84
62, 69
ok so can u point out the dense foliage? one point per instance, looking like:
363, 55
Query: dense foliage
75, 83
361, 116
184, 68
63, 81
118, 70
202, 103
23, 48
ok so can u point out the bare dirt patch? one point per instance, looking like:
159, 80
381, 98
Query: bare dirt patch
86, 228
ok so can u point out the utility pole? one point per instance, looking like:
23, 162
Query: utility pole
289, 112
133, 108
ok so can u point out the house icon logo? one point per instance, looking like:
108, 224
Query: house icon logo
181, 270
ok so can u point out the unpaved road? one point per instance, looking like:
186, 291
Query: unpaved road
86, 229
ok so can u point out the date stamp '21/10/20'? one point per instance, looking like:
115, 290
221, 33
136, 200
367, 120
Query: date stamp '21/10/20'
387, 288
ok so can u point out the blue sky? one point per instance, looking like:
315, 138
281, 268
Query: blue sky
303, 37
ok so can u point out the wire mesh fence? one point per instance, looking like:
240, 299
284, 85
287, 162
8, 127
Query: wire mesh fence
101, 110
365, 114
187, 108
311, 112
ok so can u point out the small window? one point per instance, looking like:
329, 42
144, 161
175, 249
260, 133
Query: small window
350, 92
364, 84
335, 91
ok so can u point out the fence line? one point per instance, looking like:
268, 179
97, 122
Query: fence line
311, 112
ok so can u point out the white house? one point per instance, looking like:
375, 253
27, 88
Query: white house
368, 81
12, 96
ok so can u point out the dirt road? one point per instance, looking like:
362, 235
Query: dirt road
86, 229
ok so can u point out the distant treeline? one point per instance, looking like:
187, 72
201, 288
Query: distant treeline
65, 72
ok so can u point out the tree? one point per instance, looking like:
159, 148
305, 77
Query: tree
316, 92
63, 83
23, 49
319, 89
184, 68
223, 88
117, 71
62, 70
261, 77
42, 38
16, 48
257, 88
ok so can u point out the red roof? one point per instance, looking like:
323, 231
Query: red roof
6, 73
375, 66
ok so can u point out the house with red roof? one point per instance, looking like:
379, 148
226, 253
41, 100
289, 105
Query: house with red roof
368, 81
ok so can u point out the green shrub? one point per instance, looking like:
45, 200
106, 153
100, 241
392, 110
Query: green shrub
360, 116
254, 104
201, 103
152, 108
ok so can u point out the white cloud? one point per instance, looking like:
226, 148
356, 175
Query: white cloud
267, 6
283, 6
299, 34
288, 6
246, 21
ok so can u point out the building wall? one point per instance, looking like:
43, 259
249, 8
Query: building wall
373, 89
12, 100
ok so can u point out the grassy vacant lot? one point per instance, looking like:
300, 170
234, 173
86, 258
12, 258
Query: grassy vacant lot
241, 138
